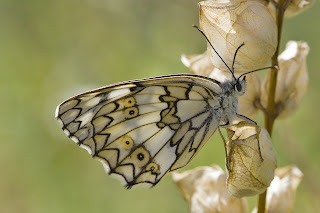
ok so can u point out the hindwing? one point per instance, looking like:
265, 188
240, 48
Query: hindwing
142, 129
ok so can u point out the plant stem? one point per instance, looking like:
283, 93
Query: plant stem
273, 74
262, 202
269, 116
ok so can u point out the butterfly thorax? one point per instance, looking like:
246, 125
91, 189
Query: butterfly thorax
229, 101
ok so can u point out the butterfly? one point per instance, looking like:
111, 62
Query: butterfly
142, 129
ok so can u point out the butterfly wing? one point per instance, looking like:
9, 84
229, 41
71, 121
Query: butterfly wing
142, 129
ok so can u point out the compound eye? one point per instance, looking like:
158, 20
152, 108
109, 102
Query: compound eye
238, 86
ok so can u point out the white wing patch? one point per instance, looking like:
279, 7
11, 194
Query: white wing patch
118, 92
157, 141
141, 130
187, 109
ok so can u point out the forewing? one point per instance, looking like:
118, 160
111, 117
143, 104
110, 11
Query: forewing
140, 130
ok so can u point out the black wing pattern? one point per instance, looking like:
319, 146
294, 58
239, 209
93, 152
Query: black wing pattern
142, 129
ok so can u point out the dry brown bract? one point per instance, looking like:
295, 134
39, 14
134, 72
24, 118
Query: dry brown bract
228, 24
251, 158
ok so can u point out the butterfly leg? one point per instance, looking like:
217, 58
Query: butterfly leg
246, 119
258, 134
225, 148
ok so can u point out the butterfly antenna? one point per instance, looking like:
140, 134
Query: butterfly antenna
234, 57
273, 67
214, 49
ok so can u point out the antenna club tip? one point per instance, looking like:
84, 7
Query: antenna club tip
242, 44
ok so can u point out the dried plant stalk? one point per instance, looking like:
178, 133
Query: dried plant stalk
269, 117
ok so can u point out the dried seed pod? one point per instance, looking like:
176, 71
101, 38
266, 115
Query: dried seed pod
251, 159
292, 79
281, 193
204, 188
294, 8
228, 24
198, 64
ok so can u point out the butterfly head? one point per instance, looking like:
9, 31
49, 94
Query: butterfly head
240, 86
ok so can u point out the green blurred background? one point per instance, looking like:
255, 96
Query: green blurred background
53, 49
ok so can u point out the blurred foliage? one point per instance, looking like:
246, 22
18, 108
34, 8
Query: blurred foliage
51, 50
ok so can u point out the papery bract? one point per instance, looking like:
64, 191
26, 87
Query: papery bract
251, 159
281, 193
228, 24
198, 64
294, 7
282, 190
292, 79
204, 188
